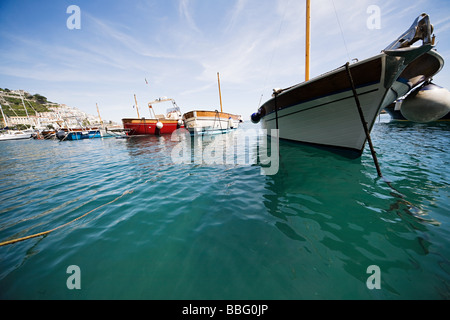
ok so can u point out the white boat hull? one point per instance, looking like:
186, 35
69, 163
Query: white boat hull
210, 122
333, 120
323, 111
15, 136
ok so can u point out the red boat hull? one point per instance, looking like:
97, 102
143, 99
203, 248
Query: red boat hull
136, 127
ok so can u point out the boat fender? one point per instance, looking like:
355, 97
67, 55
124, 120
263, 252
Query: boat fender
255, 117
430, 103
180, 122
158, 128
230, 123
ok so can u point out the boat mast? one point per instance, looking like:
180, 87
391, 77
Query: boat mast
26, 111
220, 94
99, 117
137, 109
4, 118
308, 31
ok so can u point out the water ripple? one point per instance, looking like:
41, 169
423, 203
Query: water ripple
182, 231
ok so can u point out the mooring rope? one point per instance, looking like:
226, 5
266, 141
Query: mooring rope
372, 149
64, 225
217, 115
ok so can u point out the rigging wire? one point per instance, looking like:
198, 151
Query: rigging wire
273, 52
342, 32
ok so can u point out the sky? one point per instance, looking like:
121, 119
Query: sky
175, 48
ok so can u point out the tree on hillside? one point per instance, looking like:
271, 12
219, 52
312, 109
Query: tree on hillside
40, 99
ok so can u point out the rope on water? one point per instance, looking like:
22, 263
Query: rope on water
64, 225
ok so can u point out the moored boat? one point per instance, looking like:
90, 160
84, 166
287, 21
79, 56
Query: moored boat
8, 134
200, 121
211, 122
338, 109
15, 135
71, 134
158, 124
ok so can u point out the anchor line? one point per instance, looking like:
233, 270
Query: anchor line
64, 225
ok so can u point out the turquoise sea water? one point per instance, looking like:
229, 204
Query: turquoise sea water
155, 229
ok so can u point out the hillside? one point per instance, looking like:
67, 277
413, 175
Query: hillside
12, 103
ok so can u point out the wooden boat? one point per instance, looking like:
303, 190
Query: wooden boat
200, 121
338, 109
45, 134
158, 124
211, 122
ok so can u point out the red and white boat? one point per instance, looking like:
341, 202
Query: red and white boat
158, 124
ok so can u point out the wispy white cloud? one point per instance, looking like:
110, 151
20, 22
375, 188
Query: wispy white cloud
185, 13
256, 45
442, 25
235, 13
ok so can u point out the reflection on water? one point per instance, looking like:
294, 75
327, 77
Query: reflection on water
342, 212
201, 230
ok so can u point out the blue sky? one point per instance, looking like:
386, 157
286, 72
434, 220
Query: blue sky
180, 45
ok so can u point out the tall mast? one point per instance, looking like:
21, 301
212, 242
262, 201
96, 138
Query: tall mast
26, 111
220, 94
137, 109
3, 115
99, 117
308, 31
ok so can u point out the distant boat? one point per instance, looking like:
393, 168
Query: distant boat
112, 131
427, 103
338, 109
8, 134
15, 135
47, 134
158, 124
77, 134
211, 122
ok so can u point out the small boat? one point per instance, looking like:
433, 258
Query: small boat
211, 122
112, 131
46, 134
71, 134
158, 124
8, 134
426, 103
337, 110
15, 135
